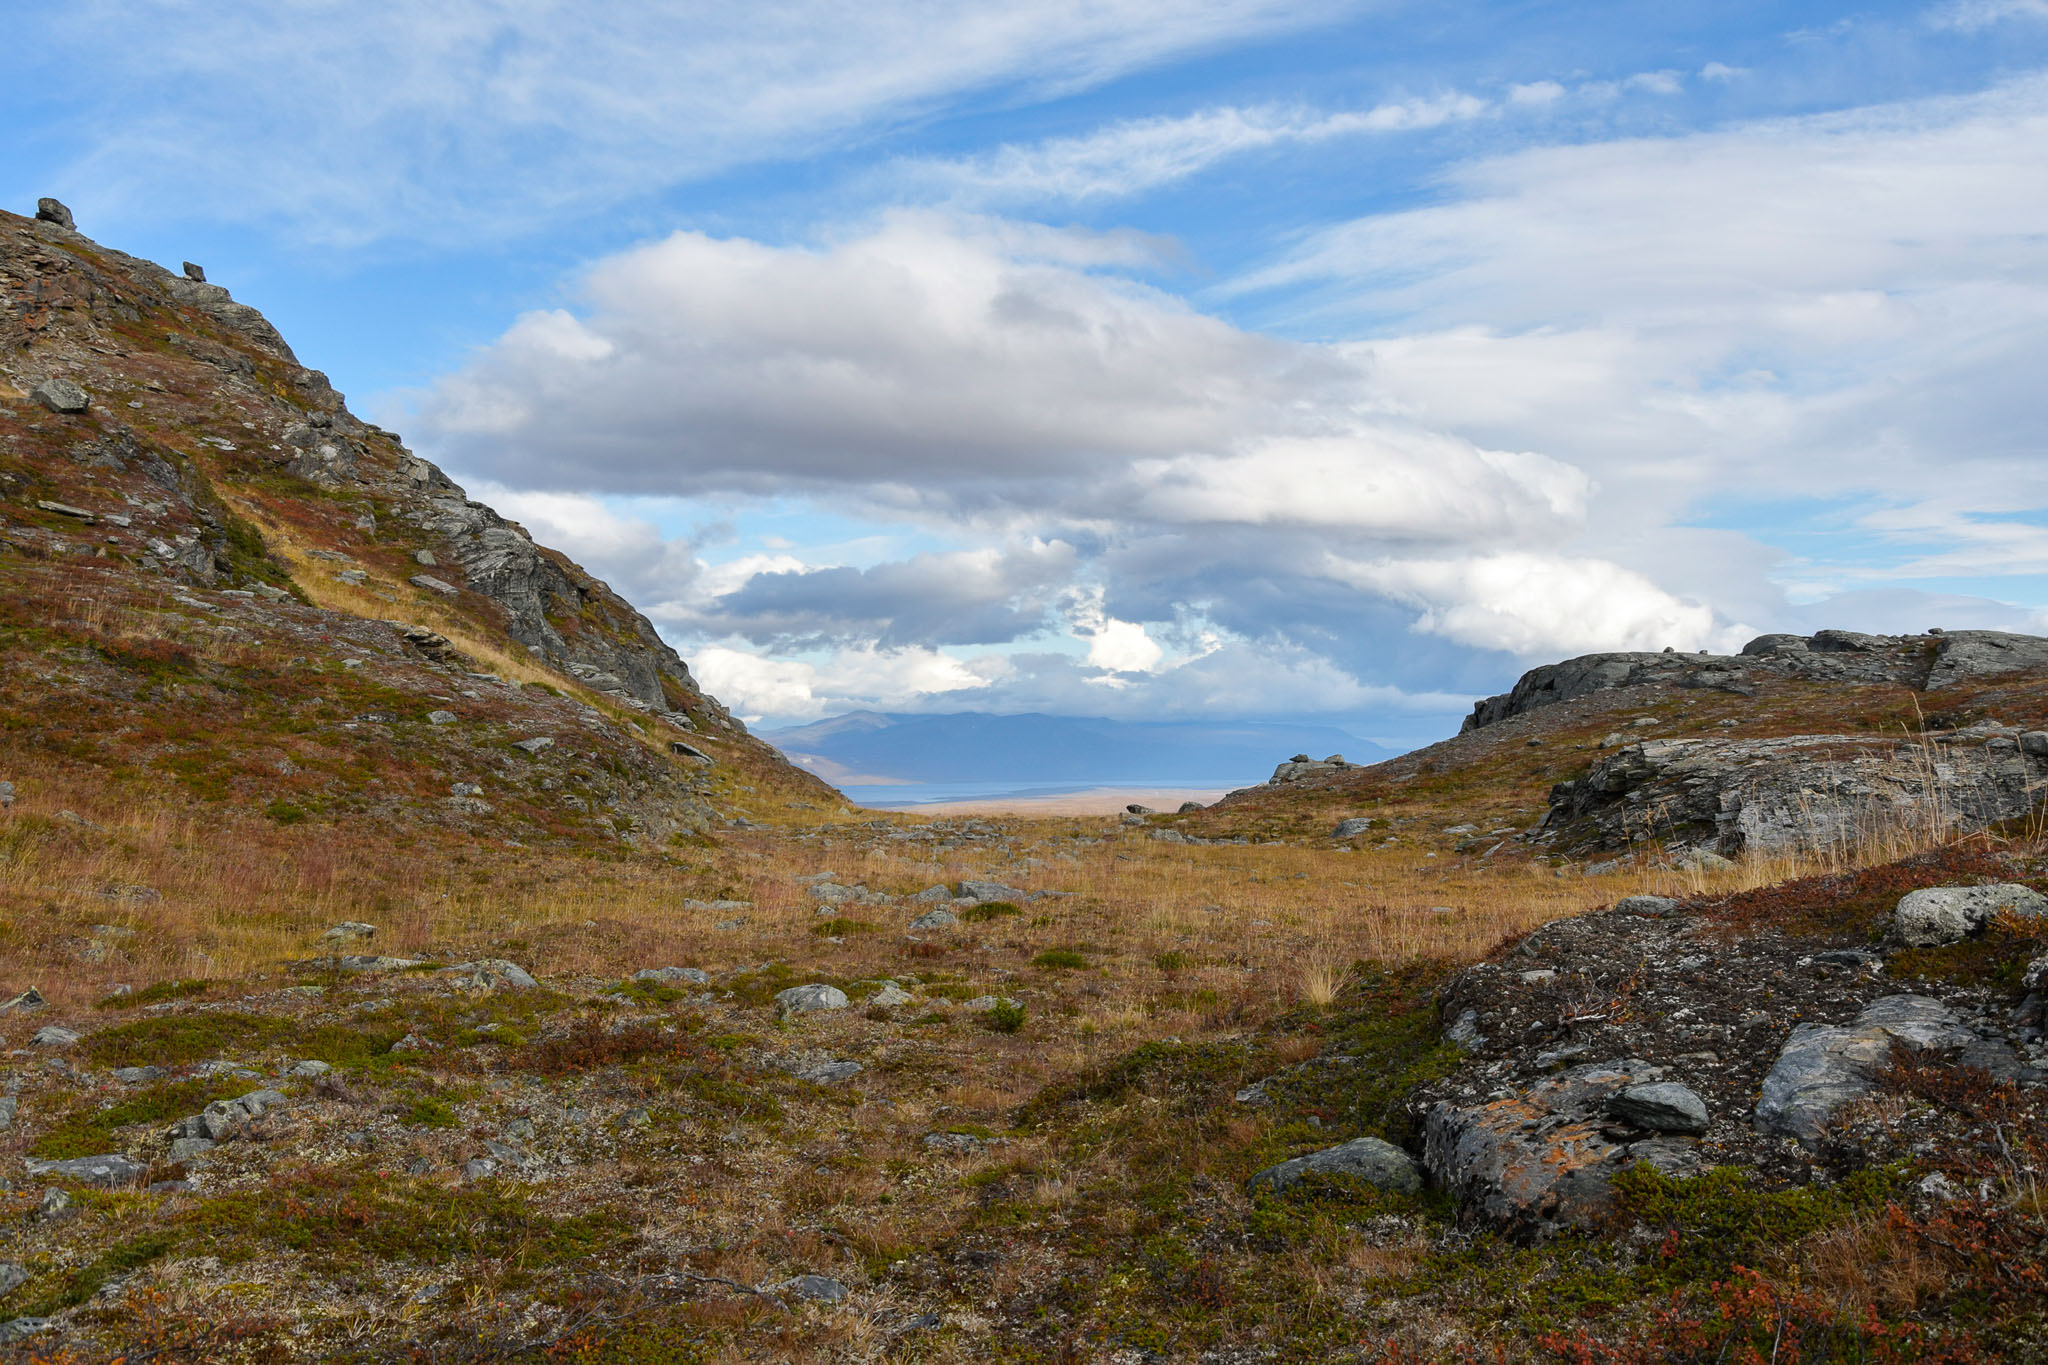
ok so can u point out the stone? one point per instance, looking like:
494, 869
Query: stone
25, 1003
21, 1329
441, 717
2034, 743
814, 1288
481, 1168
1378, 1163
12, 1277
433, 584
832, 893
935, 919
54, 1035
829, 1073
695, 976
360, 962
8, 1104
1661, 1107
349, 931
195, 273
806, 999
1190, 807
1464, 1030
189, 1148
111, 1171
1136, 809
890, 996
1351, 828
934, 895
6, 795
53, 211
534, 745
493, 973
1659, 906
425, 559
139, 1075
981, 1004
980, 892
308, 1069
1938, 915
1822, 1067
61, 395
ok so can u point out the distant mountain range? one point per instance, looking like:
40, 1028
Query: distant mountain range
869, 748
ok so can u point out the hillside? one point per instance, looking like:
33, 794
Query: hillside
223, 588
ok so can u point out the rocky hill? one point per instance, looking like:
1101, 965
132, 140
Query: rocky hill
218, 579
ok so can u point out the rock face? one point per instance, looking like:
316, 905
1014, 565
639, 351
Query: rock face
1377, 1162
1922, 662
1731, 796
1937, 915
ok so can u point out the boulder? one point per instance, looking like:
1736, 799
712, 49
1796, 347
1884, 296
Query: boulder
349, 931
1658, 906
1937, 915
490, 974
27, 1002
890, 996
805, 999
979, 892
12, 1277
55, 1035
693, 975
815, 1288
1136, 809
1661, 1107
934, 895
433, 584
1351, 828
1378, 1163
1822, 1067
195, 273
53, 211
829, 1073
61, 395
935, 919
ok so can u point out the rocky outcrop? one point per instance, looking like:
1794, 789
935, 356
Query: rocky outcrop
1922, 662
1731, 796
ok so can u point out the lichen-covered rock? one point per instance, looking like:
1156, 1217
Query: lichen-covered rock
806, 999
1375, 1161
1823, 1067
109, 1172
1661, 1107
1937, 915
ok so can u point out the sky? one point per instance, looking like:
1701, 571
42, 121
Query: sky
1230, 359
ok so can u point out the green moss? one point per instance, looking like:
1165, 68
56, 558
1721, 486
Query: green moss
181, 1040
1005, 1016
1059, 959
86, 1281
988, 910
93, 1131
427, 1112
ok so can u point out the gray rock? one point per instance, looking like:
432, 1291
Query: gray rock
980, 892
12, 1277
935, 919
190, 1148
829, 1073
1190, 807
433, 584
493, 973
7, 1110
934, 895
981, 1004
53, 211
1464, 1030
534, 745
2034, 743
693, 975
112, 1171
815, 1288
61, 395
1351, 828
442, 718
349, 931
1378, 1163
195, 273
832, 893
1661, 1107
53, 1035
309, 1068
368, 963
1823, 1067
29, 1000
56, 1206
805, 999
1938, 915
956, 1144
21, 1329
6, 795
890, 997
480, 1168
1136, 809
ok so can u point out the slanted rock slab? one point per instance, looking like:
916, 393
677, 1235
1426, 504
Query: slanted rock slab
109, 1172
1661, 1107
1823, 1067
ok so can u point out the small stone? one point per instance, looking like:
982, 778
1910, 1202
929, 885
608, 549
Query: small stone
890, 996
7, 1108
1464, 1030
805, 999
816, 1288
195, 273
493, 973
433, 584
1658, 906
309, 1068
20, 1329
425, 558
441, 717
935, 919
1661, 1107
695, 976
981, 1004
957, 1144
6, 795
56, 1205
636, 1118
29, 1000
54, 1035
482, 1168
934, 895
1351, 828
829, 1073
1376, 1162
12, 1277
349, 931
188, 1148
534, 745
1136, 809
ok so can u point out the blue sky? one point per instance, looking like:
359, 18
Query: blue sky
1226, 358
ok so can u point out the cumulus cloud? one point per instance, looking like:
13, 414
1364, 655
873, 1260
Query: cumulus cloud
758, 686
464, 118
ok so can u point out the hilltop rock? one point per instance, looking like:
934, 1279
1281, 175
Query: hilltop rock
1921, 662
53, 211
1936, 915
61, 395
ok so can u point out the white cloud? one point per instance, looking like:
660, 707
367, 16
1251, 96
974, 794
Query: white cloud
463, 118
1536, 93
1531, 603
1721, 71
756, 685
1125, 158
1971, 16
